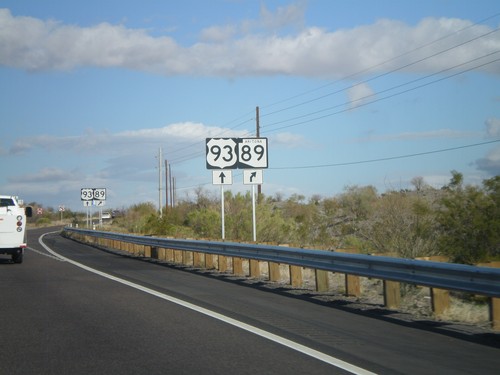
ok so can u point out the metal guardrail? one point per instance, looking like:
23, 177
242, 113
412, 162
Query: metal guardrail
450, 276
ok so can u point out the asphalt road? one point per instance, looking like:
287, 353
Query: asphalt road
140, 317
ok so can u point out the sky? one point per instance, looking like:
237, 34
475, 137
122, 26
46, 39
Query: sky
349, 93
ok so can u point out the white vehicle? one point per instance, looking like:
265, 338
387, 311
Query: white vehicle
13, 227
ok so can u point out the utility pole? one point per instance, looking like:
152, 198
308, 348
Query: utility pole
257, 134
160, 158
172, 185
167, 176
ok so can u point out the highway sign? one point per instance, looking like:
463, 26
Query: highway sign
233, 153
252, 177
222, 177
252, 153
100, 194
87, 203
99, 203
87, 194
221, 153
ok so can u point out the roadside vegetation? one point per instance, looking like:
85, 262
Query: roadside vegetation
459, 222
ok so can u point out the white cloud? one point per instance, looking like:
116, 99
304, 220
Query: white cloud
52, 175
360, 94
493, 128
33, 44
186, 132
490, 163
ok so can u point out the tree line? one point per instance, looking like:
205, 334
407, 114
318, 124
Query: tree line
459, 221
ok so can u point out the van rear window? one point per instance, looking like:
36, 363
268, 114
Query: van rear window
6, 202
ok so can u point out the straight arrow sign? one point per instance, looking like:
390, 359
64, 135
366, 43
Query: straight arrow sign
222, 177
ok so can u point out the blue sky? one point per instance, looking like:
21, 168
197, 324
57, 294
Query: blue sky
349, 92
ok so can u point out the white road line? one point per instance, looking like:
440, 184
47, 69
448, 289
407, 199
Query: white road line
45, 254
236, 323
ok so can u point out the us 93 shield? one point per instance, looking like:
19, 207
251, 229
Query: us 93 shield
222, 153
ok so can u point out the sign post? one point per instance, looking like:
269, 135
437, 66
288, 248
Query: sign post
93, 197
249, 154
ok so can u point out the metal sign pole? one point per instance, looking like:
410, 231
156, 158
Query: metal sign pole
253, 215
222, 210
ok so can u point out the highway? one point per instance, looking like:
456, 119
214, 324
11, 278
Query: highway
74, 309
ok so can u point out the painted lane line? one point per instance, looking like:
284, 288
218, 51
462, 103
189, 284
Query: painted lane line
236, 323
45, 254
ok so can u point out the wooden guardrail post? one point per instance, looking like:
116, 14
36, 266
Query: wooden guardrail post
392, 294
274, 272
198, 260
222, 263
254, 268
296, 276
494, 302
321, 280
161, 253
209, 261
352, 282
440, 298
238, 266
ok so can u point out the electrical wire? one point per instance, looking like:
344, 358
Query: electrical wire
387, 158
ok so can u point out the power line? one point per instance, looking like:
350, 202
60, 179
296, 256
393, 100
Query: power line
382, 75
387, 158
389, 96
350, 76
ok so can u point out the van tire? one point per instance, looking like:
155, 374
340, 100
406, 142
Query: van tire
17, 257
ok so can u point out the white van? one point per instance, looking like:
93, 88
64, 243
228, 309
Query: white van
13, 227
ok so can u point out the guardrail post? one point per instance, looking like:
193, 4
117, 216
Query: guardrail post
296, 276
161, 253
238, 266
198, 260
493, 301
274, 272
187, 257
209, 261
495, 313
440, 298
169, 255
321, 280
178, 256
222, 263
254, 268
352, 282
392, 294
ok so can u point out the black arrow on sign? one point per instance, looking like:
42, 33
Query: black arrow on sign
222, 176
252, 176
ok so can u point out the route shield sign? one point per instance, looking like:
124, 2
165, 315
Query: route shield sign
252, 153
222, 153
234, 153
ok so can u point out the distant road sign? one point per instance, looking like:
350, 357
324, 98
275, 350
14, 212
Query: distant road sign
252, 153
100, 194
222, 177
253, 177
222, 153
87, 194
